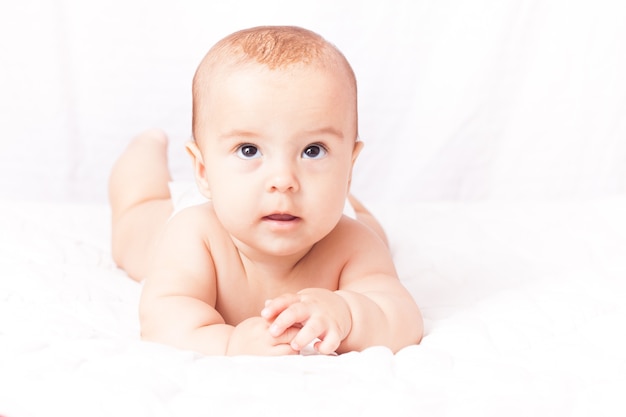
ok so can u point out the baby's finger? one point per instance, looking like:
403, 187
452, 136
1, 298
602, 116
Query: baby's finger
309, 332
287, 336
293, 315
275, 306
329, 344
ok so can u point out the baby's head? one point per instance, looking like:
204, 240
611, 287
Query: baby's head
275, 136
273, 47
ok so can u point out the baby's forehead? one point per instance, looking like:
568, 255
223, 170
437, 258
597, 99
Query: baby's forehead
236, 96
227, 74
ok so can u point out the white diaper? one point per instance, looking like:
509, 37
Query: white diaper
185, 194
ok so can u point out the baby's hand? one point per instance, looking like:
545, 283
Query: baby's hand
252, 337
321, 313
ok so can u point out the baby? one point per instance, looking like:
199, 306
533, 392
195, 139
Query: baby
269, 264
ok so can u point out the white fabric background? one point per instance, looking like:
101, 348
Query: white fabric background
488, 99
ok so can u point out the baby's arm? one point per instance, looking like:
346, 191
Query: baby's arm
179, 295
371, 307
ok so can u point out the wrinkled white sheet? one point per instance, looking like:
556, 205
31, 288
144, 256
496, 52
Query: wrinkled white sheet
523, 305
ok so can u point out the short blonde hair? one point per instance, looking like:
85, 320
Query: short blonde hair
276, 47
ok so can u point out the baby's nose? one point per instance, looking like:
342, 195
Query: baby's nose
283, 178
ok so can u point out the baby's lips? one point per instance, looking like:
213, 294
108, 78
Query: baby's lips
280, 217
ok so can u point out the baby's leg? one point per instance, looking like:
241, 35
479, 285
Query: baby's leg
140, 201
367, 218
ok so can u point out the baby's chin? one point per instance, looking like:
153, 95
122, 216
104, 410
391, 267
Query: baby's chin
272, 248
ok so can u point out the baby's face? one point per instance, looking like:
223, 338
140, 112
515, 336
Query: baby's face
278, 148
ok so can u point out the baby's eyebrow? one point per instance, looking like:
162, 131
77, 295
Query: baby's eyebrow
238, 133
326, 131
248, 134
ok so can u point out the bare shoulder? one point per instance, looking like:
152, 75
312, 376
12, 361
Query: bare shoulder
362, 250
180, 289
182, 262
356, 236
191, 226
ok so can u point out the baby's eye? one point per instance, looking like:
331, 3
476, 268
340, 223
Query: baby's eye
248, 151
314, 151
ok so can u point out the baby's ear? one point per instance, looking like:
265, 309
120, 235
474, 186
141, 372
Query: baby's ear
358, 146
199, 169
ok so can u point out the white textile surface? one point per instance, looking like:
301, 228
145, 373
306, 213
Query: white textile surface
523, 305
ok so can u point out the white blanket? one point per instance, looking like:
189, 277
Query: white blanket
523, 305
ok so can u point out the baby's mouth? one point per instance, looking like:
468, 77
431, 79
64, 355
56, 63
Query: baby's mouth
280, 217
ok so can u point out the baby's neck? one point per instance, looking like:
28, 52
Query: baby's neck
270, 268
